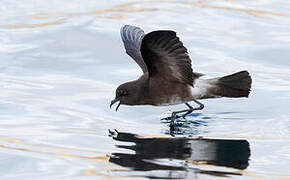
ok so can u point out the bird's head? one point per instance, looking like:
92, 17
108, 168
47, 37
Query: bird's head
126, 94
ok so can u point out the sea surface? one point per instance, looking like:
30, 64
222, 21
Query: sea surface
61, 61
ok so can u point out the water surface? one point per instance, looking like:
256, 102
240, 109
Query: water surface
61, 62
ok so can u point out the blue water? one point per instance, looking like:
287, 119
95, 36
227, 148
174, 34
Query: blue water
61, 62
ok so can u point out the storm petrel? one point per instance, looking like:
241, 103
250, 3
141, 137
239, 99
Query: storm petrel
168, 78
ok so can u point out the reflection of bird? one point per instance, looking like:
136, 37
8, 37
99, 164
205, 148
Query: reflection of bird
148, 151
167, 74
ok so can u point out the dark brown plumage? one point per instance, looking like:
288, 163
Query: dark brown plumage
167, 74
166, 57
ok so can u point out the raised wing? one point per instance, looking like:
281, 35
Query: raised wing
132, 37
166, 57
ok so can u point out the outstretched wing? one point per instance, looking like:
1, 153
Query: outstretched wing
132, 37
166, 57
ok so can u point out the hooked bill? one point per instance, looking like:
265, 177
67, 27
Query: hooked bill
113, 102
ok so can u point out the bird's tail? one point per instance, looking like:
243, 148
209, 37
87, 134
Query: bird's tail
234, 85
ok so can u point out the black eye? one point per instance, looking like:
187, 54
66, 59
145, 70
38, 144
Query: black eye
124, 93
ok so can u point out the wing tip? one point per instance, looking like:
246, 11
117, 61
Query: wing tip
158, 34
162, 33
128, 26
126, 29
124, 26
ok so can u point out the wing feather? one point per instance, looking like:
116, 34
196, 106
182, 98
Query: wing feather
166, 57
132, 37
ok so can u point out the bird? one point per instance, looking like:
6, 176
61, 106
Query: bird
168, 77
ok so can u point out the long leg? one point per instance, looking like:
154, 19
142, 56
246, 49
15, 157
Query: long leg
201, 106
188, 111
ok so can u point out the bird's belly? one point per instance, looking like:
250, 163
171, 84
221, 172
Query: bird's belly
170, 94
173, 100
